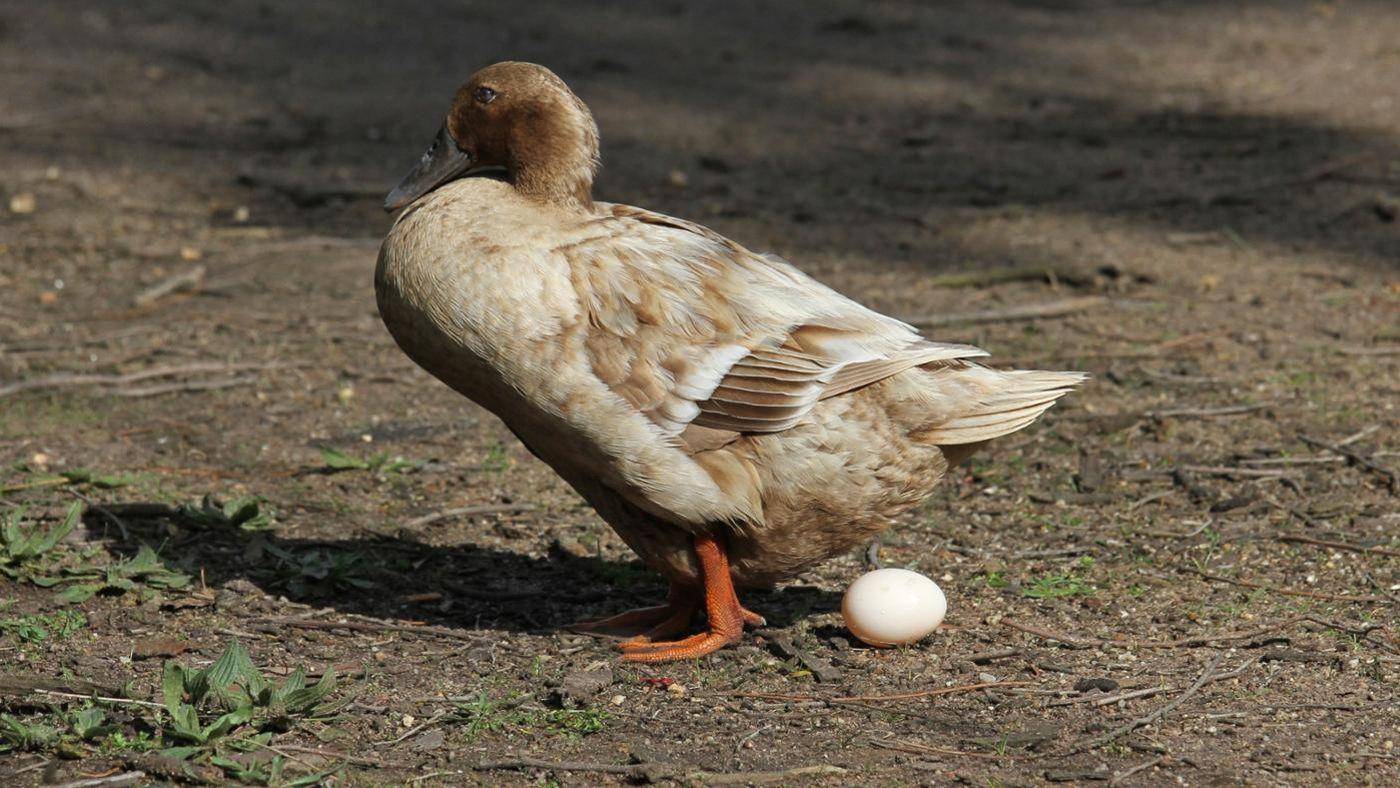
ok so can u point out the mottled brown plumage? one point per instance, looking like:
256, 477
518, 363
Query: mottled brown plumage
721, 410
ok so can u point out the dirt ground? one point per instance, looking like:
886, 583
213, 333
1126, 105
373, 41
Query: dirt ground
1187, 573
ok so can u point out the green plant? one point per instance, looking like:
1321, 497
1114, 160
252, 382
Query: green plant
77, 476
89, 723
245, 512
997, 580
16, 734
248, 767
21, 548
485, 714
577, 721
1056, 586
234, 693
40, 627
319, 570
68, 739
144, 569
497, 460
337, 460
120, 742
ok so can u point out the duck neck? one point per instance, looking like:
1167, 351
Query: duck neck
554, 158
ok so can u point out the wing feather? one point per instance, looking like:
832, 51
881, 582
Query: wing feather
696, 330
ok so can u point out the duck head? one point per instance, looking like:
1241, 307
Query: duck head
516, 117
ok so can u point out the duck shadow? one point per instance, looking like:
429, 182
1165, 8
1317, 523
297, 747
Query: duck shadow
398, 577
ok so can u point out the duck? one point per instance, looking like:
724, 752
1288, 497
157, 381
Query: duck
735, 421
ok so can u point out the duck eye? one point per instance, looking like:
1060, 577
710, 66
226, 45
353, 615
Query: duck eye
484, 95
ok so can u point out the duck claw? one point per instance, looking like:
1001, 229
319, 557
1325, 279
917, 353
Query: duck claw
693, 647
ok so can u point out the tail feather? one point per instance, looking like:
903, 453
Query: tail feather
1012, 400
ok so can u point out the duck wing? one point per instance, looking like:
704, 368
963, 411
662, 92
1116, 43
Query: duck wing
693, 330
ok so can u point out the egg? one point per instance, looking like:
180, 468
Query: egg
892, 607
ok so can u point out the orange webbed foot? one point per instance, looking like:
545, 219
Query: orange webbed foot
648, 622
693, 647
626, 624
678, 622
727, 617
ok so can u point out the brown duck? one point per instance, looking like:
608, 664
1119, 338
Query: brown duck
734, 420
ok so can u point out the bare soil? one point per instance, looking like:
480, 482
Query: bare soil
1220, 181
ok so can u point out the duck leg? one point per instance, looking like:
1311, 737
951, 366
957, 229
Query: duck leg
646, 623
726, 616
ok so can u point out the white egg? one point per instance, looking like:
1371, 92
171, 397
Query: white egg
891, 607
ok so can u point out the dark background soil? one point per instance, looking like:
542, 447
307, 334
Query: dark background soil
1226, 177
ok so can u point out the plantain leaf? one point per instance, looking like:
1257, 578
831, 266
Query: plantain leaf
172, 686
305, 700
234, 666
80, 592
338, 460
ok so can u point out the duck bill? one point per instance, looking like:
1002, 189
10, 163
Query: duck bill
442, 162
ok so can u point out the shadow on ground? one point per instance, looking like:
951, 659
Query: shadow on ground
309, 120
464, 586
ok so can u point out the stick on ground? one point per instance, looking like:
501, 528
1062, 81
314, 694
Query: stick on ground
1356, 458
184, 280
466, 511
1144, 721
1062, 308
1287, 591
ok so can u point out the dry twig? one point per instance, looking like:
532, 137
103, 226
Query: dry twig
1079, 642
1225, 470
1204, 413
916, 748
994, 276
1062, 308
1144, 721
466, 511
1320, 172
760, 778
518, 764
99, 698
110, 781
64, 379
1106, 700
184, 280
1119, 777
1287, 591
1356, 458
193, 385
901, 696
362, 626
1300, 539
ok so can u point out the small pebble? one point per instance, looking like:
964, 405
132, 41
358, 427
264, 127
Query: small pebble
676, 690
618, 700
986, 678
23, 203
677, 179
